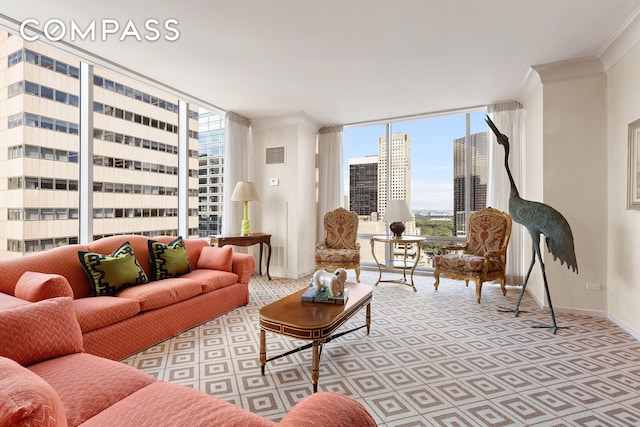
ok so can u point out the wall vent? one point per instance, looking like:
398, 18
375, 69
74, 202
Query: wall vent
274, 156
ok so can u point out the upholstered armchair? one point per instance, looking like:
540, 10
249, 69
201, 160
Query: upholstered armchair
340, 247
484, 256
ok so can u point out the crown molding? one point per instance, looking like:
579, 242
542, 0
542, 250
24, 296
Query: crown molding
531, 83
622, 42
568, 69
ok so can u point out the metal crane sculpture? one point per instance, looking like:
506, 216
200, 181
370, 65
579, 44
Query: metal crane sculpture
538, 219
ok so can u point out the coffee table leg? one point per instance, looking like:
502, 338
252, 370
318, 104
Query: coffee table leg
368, 318
263, 350
315, 365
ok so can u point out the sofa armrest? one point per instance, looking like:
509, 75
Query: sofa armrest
243, 265
33, 286
328, 409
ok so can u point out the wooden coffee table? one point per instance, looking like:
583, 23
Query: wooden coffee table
313, 321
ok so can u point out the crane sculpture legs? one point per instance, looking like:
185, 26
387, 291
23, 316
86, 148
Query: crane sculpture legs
516, 309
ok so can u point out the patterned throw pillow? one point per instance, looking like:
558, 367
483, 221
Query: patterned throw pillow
168, 260
112, 273
40, 331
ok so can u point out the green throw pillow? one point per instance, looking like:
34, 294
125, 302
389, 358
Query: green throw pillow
112, 273
168, 260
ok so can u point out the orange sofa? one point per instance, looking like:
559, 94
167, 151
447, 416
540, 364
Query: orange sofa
135, 317
47, 380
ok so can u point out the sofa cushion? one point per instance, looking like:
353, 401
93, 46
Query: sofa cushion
467, 263
26, 399
211, 280
148, 408
40, 331
97, 312
162, 292
33, 286
88, 384
168, 259
60, 260
111, 273
216, 258
8, 301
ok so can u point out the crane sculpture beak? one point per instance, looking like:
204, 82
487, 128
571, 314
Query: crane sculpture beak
502, 138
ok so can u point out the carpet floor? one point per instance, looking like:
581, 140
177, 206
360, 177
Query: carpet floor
431, 359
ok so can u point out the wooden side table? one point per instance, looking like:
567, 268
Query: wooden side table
247, 240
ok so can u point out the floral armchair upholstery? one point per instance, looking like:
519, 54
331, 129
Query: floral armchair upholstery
340, 247
484, 256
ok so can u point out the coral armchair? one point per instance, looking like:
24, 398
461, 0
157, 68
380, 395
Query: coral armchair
340, 248
484, 256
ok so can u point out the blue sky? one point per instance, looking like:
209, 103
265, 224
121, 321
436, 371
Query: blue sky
431, 154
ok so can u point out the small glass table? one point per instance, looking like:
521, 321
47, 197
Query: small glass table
404, 242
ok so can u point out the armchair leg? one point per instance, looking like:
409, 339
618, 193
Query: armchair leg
357, 274
478, 289
436, 274
503, 283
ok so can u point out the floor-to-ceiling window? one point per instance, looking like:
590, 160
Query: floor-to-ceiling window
135, 152
211, 171
39, 97
437, 164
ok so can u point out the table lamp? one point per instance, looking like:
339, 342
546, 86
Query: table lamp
397, 213
244, 192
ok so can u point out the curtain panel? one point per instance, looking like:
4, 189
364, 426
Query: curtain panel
330, 179
508, 116
237, 154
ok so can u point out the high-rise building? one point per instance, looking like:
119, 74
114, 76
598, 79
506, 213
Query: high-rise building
135, 152
478, 175
211, 163
397, 167
363, 185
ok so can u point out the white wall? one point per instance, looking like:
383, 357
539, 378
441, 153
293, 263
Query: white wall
575, 177
532, 187
623, 245
565, 159
288, 210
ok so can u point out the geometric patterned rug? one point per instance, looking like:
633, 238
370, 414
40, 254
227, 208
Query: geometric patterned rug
431, 359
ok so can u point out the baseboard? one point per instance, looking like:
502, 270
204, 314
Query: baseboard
569, 310
623, 326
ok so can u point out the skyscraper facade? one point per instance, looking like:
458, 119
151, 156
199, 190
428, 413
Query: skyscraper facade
394, 165
135, 152
363, 185
478, 174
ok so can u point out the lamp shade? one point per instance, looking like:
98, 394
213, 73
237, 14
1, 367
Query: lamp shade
397, 211
244, 191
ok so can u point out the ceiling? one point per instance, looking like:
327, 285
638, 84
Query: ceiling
344, 61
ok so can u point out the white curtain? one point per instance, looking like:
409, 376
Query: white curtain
330, 188
237, 155
508, 117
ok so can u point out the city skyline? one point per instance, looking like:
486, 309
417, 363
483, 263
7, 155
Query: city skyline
431, 154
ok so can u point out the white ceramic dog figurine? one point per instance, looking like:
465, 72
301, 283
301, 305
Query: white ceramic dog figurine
337, 284
333, 282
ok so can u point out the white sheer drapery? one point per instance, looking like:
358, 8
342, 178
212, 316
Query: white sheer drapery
237, 154
508, 116
330, 188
